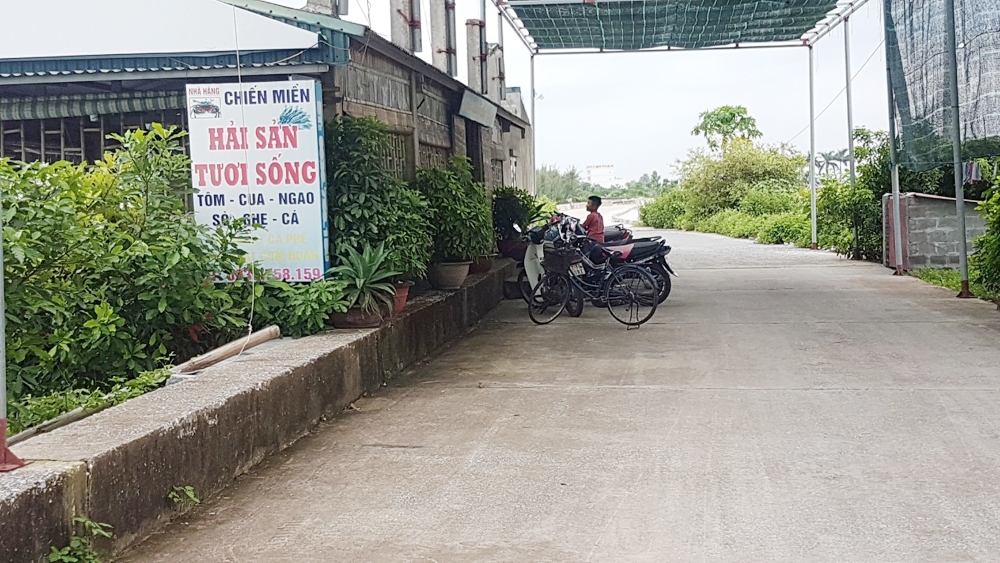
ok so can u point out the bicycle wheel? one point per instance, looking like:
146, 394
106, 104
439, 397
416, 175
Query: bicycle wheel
631, 295
549, 299
662, 278
576, 302
524, 286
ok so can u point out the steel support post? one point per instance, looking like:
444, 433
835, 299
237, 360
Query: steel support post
956, 148
483, 51
850, 100
812, 147
534, 127
897, 227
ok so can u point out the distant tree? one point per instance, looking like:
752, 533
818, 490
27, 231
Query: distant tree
721, 125
567, 186
874, 172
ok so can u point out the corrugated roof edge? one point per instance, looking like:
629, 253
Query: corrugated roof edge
305, 16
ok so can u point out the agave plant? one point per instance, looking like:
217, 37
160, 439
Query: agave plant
367, 275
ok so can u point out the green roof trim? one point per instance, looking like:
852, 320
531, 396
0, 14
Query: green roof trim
335, 54
629, 25
50, 107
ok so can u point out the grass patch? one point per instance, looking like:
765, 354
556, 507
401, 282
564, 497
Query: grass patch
952, 280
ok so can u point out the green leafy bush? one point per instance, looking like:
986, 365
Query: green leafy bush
785, 228
459, 212
512, 206
875, 172
548, 206
107, 274
299, 309
843, 211
986, 260
109, 277
718, 182
770, 198
366, 203
731, 223
665, 211
409, 236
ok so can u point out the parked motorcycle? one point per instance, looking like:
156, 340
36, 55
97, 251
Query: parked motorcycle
617, 233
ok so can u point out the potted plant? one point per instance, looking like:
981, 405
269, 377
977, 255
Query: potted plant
512, 206
482, 263
408, 240
368, 289
460, 219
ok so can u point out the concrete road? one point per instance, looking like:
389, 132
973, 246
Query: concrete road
784, 406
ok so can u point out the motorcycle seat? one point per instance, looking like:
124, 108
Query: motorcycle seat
638, 250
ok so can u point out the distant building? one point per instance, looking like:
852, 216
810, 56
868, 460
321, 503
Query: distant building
603, 175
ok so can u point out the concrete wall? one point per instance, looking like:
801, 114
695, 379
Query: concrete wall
119, 466
930, 231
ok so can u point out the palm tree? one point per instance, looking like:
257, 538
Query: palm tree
831, 162
836, 160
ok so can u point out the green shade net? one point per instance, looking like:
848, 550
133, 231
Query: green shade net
918, 59
691, 24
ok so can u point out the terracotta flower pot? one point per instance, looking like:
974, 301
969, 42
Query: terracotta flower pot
481, 265
448, 275
402, 294
355, 317
512, 249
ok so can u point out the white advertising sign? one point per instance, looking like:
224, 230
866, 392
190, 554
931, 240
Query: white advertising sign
257, 152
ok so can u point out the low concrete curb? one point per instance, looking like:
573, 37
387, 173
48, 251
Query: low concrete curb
119, 466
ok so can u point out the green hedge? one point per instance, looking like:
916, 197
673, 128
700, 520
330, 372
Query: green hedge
986, 260
108, 275
665, 211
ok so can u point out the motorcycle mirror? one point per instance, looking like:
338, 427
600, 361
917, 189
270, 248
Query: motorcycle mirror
517, 227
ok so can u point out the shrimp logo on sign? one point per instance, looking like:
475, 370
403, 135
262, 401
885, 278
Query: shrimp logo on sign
206, 108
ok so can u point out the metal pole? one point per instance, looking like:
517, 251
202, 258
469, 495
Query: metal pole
897, 227
483, 50
850, 99
8, 461
812, 149
501, 70
534, 129
856, 252
956, 149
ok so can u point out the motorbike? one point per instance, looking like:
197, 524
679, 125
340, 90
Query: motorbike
532, 271
617, 233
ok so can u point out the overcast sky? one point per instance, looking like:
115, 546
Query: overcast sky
636, 111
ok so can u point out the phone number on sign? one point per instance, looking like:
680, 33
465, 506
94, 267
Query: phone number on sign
298, 274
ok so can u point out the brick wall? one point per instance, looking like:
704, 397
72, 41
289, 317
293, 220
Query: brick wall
930, 230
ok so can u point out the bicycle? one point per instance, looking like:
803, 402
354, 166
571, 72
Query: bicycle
629, 292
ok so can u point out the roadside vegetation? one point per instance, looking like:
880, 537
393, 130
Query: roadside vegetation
109, 280
741, 188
